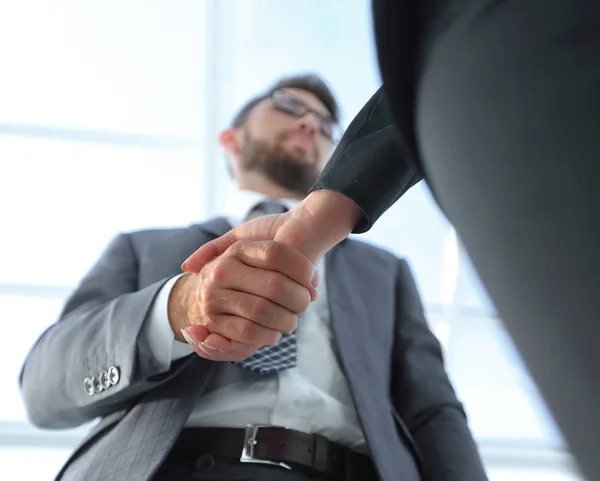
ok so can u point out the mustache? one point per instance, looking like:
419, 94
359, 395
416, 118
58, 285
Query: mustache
284, 166
287, 135
313, 150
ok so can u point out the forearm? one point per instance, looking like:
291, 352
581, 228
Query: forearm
373, 165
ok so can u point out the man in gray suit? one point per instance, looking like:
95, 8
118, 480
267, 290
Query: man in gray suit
330, 376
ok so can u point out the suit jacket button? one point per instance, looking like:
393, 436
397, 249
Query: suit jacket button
114, 375
88, 386
97, 385
104, 380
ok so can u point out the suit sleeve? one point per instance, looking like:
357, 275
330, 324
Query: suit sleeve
95, 341
373, 164
423, 396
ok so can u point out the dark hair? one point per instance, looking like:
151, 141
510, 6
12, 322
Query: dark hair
310, 82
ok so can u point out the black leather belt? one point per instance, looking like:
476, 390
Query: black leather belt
277, 446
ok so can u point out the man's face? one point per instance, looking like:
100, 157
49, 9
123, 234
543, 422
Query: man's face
289, 148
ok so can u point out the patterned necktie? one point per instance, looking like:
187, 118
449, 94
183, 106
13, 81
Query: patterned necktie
280, 356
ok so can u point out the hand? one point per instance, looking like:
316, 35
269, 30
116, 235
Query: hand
313, 227
242, 300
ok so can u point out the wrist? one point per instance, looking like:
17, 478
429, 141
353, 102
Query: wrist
176, 308
331, 217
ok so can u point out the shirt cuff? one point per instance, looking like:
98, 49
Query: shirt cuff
156, 331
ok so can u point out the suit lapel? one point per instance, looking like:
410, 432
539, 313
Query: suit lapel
360, 289
345, 294
215, 227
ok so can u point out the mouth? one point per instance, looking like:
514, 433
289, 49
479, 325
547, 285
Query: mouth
303, 145
299, 140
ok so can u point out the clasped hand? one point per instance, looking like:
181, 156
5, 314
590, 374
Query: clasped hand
247, 287
241, 292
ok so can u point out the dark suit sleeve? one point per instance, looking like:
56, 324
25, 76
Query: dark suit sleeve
97, 329
423, 396
372, 165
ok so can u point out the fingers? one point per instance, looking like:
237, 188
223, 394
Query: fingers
266, 330
253, 308
231, 287
270, 285
267, 255
207, 252
216, 347
226, 349
265, 268
277, 257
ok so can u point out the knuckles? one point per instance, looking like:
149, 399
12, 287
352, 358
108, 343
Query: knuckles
220, 271
260, 309
236, 248
207, 295
272, 252
248, 331
275, 286
213, 279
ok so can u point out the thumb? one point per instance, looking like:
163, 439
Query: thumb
197, 333
207, 252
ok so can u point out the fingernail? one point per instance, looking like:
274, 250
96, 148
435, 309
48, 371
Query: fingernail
315, 279
183, 266
188, 338
208, 346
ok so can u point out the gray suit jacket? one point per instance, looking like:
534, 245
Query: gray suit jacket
414, 425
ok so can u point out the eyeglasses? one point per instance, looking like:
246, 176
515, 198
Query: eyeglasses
290, 105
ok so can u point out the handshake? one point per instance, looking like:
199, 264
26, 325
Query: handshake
243, 299
245, 289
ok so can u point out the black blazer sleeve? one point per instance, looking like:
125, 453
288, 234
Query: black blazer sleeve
373, 164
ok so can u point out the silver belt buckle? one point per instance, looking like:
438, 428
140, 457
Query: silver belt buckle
248, 450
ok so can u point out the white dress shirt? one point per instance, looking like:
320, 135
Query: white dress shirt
312, 397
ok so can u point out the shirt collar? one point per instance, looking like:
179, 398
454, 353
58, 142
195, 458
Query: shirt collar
239, 203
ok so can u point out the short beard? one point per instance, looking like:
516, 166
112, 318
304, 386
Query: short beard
282, 167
